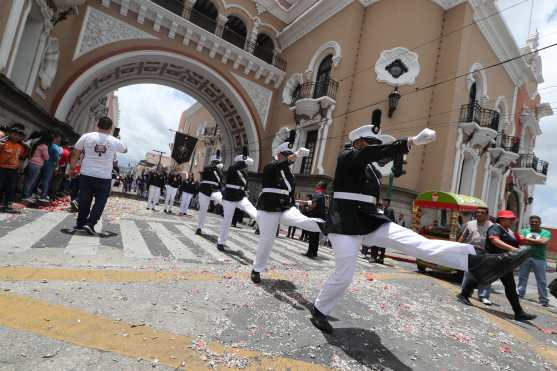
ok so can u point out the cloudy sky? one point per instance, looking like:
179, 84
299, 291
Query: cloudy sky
148, 111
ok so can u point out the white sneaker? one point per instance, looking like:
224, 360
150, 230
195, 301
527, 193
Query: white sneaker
485, 301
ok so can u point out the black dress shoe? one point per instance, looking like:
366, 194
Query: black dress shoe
524, 316
198, 232
463, 299
320, 321
220, 247
255, 277
487, 268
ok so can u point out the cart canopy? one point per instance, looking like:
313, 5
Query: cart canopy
448, 200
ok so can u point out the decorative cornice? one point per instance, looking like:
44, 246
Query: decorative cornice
311, 19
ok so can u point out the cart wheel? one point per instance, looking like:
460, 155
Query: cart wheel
421, 268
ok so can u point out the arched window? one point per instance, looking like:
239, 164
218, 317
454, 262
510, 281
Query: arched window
494, 186
235, 31
467, 175
323, 77
264, 48
26, 56
204, 14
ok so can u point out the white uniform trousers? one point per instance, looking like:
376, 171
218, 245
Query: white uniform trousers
169, 197
229, 207
268, 223
390, 235
204, 205
154, 196
185, 202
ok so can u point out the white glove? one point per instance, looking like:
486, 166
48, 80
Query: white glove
249, 161
426, 136
302, 152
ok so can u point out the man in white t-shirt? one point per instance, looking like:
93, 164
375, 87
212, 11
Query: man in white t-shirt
98, 150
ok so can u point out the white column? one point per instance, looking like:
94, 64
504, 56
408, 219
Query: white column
10, 31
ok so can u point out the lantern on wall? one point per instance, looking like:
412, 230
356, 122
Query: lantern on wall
394, 97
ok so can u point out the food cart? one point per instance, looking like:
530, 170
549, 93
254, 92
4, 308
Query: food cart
443, 214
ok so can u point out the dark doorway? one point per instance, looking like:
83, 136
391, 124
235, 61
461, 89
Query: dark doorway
235, 31
323, 77
204, 14
311, 141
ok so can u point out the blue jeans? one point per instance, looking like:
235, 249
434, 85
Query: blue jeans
539, 266
483, 291
33, 172
48, 172
89, 188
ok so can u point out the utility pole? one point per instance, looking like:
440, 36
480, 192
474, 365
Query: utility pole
160, 157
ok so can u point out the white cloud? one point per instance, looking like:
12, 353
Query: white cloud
147, 112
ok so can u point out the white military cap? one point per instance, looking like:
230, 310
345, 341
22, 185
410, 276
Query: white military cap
366, 131
284, 147
216, 158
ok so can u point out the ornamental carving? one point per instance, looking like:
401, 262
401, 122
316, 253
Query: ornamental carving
49, 65
101, 29
260, 96
397, 67
191, 81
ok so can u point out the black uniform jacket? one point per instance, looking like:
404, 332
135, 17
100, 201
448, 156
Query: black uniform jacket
237, 176
210, 174
174, 181
157, 180
188, 186
355, 174
277, 174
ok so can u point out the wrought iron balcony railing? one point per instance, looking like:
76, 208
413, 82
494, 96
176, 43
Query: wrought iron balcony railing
532, 162
507, 142
326, 88
484, 117
267, 55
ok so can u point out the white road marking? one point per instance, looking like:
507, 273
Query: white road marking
172, 243
82, 244
24, 237
132, 240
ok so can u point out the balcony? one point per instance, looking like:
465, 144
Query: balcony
479, 124
504, 150
209, 24
193, 27
530, 170
311, 98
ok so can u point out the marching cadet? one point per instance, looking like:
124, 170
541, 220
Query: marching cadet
275, 205
234, 195
209, 188
188, 187
354, 220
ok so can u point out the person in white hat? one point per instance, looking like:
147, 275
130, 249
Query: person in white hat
209, 189
275, 204
234, 195
354, 220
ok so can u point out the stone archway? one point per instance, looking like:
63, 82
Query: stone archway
196, 79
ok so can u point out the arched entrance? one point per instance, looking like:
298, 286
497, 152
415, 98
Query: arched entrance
192, 77
513, 203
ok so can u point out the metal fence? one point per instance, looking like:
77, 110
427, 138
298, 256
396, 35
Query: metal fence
327, 88
531, 161
484, 117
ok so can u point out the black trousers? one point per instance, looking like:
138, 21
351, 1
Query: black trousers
313, 243
291, 232
8, 185
89, 188
510, 291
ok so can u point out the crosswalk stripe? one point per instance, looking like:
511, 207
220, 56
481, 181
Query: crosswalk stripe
207, 247
293, 258
132, 240
24, 237
173, 244
83, 244
250, 251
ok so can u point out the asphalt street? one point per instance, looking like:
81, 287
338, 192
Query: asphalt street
150, 294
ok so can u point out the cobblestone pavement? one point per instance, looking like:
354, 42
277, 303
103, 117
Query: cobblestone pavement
151, 294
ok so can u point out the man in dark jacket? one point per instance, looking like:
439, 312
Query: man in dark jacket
354, 220
275, 205
209, 189
316, 209
156, 182
188, 187
234, 195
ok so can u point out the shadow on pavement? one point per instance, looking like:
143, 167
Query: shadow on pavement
234, 254
103, 234
364, 346
286, 292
